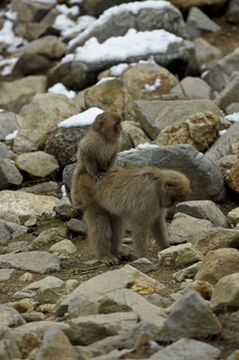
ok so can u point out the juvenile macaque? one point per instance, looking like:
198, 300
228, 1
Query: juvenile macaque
97, 151
138, 196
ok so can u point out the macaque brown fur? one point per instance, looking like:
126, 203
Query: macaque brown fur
136, 196
97, 151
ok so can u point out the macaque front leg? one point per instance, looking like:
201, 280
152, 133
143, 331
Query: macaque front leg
159, 231
117, 229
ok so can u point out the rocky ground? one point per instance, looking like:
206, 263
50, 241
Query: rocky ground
177, 95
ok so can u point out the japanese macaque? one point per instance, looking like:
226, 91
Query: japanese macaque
97, 151
136, 196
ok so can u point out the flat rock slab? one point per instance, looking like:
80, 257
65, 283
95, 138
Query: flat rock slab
37, 261
97, 286
187, 349
19, 206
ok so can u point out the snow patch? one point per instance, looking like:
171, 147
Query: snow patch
8, 37
233, 117
8, 65
118, 70
59, 88
11, 136
119, 48
85, 118
150, 88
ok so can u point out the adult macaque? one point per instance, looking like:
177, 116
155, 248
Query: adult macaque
97, 151
138, 196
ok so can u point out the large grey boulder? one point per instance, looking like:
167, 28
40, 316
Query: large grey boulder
186, 319
37, 164
31, 11
187, 349
198, 23
217, 264
203, 209
143, 16
9, 174
155, 115
22, 207
55, 342
229, 95
226, 293
226, 67
77, 71
97, 286
223, 145
42, 117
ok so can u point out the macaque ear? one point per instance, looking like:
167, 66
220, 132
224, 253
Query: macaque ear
99, 123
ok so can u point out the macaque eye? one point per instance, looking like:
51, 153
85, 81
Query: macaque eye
169, 185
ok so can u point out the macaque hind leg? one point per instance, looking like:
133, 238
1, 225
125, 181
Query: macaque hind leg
100, 234
117, 235
159, 231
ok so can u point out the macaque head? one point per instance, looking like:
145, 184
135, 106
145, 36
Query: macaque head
109, 125
176, 188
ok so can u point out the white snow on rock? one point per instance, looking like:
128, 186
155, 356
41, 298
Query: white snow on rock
150, 88
59, 88
8, 65
11, 136
105, 80
233, 117
50, 2
117, 70
82, 119
133, 7
72, 27
8, 37
119, 48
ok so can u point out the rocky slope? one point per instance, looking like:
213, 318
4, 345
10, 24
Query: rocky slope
170, 70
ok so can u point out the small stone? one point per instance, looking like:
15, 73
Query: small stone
6, 274
37, 261
24, 305
33, 316
204, 288
46, 308
144, 265
188, 272
10, 317
77, 226
63, 247
26, 277
180, 255
226, 293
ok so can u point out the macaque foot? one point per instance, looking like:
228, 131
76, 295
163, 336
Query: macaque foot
98, 177
110, 260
